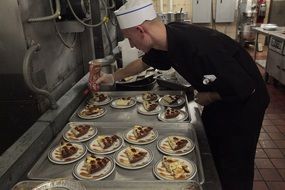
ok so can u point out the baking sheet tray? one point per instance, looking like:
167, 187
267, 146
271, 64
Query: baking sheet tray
129, 114
44, 169
106, 185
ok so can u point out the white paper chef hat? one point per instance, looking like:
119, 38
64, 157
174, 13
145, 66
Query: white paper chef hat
134, 13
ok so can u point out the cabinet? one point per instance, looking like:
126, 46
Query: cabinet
225, 10
202, 11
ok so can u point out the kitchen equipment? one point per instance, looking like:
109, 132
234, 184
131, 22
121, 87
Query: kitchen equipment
275, 65
144, 84
170, 17
180, 16
246, 20
108, 64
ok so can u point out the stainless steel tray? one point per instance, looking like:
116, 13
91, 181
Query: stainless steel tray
129, 114
44, 169
107, 185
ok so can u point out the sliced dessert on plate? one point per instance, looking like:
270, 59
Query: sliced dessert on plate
67, 149
176, 143
99, 97
141, 131
149, 96
177, 169
94, 164
80, 130
170, 99
149, 105
135, 155
124, 101
107, 141
91, 110
171, 113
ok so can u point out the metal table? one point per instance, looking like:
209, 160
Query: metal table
31, 145
260, 30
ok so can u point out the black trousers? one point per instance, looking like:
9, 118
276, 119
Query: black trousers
233, 130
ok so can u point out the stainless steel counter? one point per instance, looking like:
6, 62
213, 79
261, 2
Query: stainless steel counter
44, 169
129, 114
29, 148
105, 185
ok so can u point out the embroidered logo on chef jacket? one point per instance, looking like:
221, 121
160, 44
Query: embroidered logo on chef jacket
208, 79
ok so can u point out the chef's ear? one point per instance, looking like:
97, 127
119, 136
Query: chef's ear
140, 29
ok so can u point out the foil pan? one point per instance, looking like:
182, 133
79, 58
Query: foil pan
60, 184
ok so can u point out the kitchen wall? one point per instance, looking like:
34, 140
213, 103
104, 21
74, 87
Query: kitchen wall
227, 28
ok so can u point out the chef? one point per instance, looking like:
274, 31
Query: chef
229, 83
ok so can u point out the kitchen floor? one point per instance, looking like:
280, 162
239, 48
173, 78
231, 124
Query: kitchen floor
270, 153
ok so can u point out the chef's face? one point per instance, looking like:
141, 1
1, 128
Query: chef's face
138, 38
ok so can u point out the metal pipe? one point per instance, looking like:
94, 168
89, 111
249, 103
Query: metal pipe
28, 78
161, 6
108, 38
51, 17
170, 6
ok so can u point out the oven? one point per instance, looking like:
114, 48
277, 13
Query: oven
275, 66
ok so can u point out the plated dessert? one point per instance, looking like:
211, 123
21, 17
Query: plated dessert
123, 102
172, 100
67, 153
133, 157
79, 132
99, 99
175, 145
147, 96
149, 105
175, 168
91, 112
140, 135
94, 167
172, 115
105, 144
149, 108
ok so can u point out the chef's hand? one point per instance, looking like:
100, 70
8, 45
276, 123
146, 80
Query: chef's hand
105, 78
206, 98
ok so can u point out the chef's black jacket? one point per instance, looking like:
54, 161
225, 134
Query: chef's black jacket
233, 123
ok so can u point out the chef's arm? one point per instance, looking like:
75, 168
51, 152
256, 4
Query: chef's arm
132, 68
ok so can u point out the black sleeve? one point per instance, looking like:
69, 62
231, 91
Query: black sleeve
157, 59
233, 83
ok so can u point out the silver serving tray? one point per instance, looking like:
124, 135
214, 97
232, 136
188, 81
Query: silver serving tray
44, 169
107, 185
129, 114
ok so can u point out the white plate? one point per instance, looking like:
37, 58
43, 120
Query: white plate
129, 137
107, 101
131, 104
181, 117
95, 148
179, 102
60, 184
122, 160
79, 170
140, 98
157, 110
69, 136
164, 147
94, 116
161, 173
55, 157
